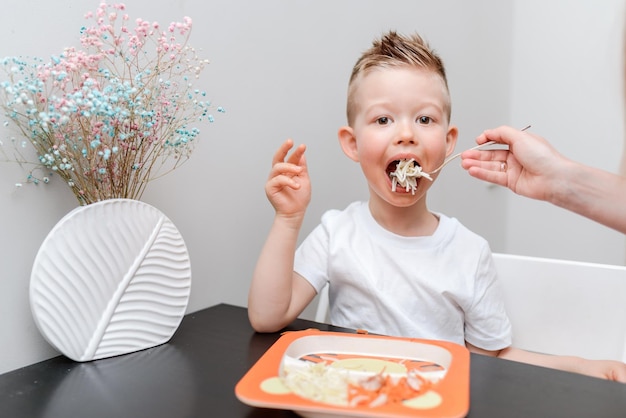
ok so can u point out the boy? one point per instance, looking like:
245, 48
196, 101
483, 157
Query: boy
393, 266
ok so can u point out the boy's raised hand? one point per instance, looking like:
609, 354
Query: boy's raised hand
288, 187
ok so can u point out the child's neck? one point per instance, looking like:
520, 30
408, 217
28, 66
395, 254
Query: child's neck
412, 221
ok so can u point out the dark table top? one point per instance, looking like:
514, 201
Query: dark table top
194, 375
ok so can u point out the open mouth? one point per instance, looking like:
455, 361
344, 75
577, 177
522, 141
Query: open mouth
392, 167
405, 173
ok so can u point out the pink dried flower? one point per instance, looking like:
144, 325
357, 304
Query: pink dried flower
113, 115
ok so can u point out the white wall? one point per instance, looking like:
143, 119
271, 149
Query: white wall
567, 80
280, 68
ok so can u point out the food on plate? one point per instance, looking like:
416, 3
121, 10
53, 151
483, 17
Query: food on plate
317, 382
406, 174
382, 389
366, 382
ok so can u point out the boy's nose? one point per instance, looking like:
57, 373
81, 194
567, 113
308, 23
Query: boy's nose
405, 134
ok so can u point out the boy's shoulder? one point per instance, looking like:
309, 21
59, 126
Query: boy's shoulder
454, 228
352, 209
347, 219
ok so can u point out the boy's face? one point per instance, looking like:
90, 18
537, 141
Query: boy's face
400, 113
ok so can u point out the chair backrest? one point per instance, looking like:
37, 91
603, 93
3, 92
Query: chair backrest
558, 306
565, 307
321, 314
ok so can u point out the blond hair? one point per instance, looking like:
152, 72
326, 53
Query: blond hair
392, 51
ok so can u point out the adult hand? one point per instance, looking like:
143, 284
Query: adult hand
529, 167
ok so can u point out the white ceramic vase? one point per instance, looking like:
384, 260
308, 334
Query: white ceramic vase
110, 278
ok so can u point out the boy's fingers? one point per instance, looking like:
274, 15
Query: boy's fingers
287, 169
281, 182
282, 152
296, 156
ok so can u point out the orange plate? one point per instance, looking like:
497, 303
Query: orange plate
449, 397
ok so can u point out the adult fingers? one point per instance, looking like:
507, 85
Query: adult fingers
502, 135
485, 155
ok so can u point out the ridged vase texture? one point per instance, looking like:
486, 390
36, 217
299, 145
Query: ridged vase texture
110, 278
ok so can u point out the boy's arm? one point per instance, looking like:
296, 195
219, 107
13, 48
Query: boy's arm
278, 295
603, 369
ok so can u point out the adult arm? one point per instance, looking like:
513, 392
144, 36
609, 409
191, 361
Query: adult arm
603, 369
533, 168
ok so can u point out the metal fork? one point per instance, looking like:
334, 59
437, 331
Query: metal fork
476, 147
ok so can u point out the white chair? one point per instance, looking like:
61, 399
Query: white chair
565, 307
321, 314
558, 306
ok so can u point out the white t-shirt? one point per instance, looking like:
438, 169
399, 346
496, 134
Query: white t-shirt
440, 287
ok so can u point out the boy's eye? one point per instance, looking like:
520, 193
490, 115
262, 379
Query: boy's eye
383, 120
425, 120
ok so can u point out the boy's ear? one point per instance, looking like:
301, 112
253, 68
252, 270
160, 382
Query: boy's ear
347, 140
451, 137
